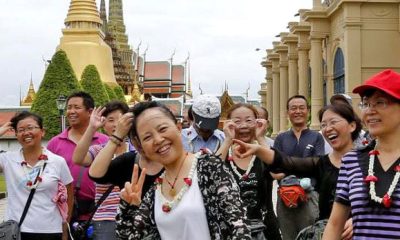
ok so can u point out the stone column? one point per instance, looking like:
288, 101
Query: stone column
269, 88
317, 100
291, 42
283, 85
302, 30
274, 57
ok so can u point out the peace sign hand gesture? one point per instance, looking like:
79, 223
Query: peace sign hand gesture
132, 192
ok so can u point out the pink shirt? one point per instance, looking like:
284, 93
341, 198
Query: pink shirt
63, 146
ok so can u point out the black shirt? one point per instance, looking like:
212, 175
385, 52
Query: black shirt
120, 171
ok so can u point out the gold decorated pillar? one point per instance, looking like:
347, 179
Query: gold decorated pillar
274, 57
319, 31
268, 65
302, 30
291, 41
282, 50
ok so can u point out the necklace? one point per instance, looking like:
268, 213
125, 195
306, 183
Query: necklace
245, 176
167, 205
172, 191
32, 183
371, 179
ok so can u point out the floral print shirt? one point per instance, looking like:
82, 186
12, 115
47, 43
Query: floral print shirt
226, 214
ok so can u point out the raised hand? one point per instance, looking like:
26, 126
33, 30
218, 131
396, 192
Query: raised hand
96, 119
124, 125
261, 128
5, 127
229, 130
243, 150
132, 192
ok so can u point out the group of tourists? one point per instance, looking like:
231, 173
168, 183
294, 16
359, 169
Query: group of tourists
147, 177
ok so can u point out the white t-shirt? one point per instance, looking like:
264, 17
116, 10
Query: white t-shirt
187, 220
43, 215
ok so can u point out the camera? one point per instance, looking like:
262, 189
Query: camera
82, 230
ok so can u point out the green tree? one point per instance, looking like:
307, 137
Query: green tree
59, 79
91, 83
110, 92
119, 92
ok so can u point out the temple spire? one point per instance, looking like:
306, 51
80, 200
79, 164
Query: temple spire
30, 96
103, 16
115, 11
83, 12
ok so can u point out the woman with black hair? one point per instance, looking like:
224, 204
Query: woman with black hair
194, 198
340, 126
34, 167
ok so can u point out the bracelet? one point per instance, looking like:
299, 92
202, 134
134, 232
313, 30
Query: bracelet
115, 141
118, 138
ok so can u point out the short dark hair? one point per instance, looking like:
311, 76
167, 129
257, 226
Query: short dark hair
23, 115
115, 105
239, 105
139, 108
346, 111
294, 97
88, 100
369, 92
265, 111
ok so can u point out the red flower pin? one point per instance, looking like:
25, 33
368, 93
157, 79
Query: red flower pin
245, 177
39, 179
159, 180
373, 152
397, 168
370, 178
188, 181
43, 157
230, 158
24, 163
386, 201
29, 183
166, 208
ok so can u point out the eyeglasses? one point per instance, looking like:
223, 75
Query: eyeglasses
27, 129
247, 122
331, 123
378, 105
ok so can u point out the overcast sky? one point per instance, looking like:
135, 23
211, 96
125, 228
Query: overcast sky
221, 35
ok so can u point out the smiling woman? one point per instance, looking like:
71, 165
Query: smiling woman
34, 168
195, 190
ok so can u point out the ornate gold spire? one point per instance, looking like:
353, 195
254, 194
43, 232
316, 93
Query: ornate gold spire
82, 36
83, 11
103, 16
28, 100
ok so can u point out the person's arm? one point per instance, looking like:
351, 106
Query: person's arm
102, 161
70, 200
81, 156
336, 223
118, 171
295, 165
244, 150
229, 131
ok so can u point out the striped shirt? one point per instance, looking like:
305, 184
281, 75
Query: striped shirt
108, 209
370, 219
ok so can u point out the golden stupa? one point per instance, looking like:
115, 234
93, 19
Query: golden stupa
83, 42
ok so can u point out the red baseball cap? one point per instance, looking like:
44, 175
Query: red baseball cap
387, 81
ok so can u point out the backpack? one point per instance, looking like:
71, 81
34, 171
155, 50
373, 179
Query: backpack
291, 193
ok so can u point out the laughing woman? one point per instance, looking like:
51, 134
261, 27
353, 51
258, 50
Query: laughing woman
195, 197
368, 186
250, 173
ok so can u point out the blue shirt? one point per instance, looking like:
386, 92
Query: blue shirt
310, 143
192, 142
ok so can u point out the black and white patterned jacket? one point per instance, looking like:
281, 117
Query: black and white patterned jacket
226, 214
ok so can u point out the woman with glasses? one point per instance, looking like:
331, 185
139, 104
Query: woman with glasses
368, 186
194, 198
340, 126
251, 174
34, 167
